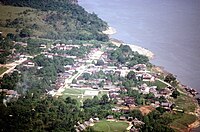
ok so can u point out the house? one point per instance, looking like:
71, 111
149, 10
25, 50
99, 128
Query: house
148, 77
133, 129
96, 119
91, 120
144, 89
43, 46
21, 44
110, 117
28, 64
123, 118
166, 105
86, 123
166, 92
137, 122
81, 127
129, 101
115, 109
140, 67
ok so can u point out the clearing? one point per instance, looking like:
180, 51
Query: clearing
110, 126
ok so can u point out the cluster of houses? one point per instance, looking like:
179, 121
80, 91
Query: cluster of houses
82, 126
190, 90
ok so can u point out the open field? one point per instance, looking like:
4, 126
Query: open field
186, 103
157, 83
3, 69
9, 13
79, 94
182, 120
110, 126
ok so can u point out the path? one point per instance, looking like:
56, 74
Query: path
12, 66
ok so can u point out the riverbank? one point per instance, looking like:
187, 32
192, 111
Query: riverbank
163, 73
110, 31
135, 48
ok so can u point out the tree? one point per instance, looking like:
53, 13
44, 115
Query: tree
86, 76
100, 63
25, 33
136, 114
131, 75
10, 36
170, 78
175, 93
104, 99
101, 84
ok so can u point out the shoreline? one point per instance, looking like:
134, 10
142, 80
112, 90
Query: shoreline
110, 31
136, 48
143, 51
151, 55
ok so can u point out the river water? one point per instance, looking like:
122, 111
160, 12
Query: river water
169, 28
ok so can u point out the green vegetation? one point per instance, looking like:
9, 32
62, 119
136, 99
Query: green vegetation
74, 91
33, 113
51, 19
3, 69
186, 103
9, 81
51, 22
159, 84
110, 126
6, 46
124, 55
182, 120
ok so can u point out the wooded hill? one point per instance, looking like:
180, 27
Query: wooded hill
52, 19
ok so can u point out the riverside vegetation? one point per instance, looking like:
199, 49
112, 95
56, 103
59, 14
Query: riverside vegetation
43, 29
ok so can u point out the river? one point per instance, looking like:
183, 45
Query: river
169, 28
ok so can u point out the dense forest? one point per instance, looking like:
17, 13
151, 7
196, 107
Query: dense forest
60, 19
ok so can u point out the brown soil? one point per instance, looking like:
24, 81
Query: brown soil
146, 109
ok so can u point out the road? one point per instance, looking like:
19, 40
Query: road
12, 65
80, 70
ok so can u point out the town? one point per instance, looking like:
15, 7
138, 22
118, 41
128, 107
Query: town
95, 73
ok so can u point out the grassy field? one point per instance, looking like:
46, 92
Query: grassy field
186, 103
157, 83
182, 120
3, 69
110, 126
27, 17
74, 91
9, 13
79, 94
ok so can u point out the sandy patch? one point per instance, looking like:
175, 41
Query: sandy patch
110, 31
135, 48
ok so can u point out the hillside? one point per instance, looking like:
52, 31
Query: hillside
62, 19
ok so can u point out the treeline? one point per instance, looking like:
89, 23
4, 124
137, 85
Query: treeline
65, 20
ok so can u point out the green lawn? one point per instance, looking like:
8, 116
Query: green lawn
3, 69
74, 91
110, 126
